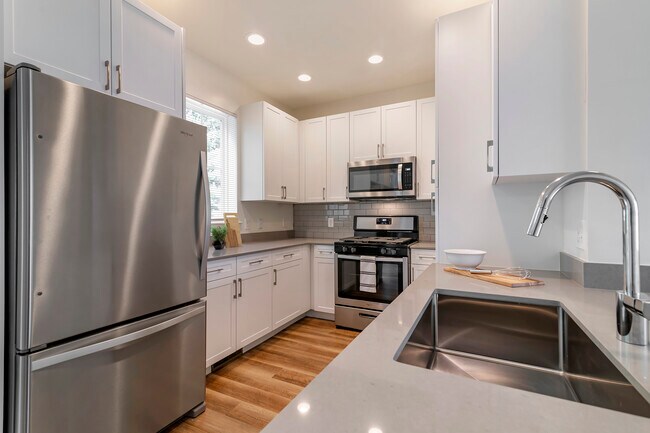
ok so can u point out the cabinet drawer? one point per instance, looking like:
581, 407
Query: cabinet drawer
252, 262
423, 257
324, 251
221, 269
288, 255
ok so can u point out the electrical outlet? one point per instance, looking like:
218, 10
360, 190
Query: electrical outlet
581, 241
330, 222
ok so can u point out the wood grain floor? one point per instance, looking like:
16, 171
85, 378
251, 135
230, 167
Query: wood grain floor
245, 395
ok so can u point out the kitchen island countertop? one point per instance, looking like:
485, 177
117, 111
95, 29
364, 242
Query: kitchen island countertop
364, 388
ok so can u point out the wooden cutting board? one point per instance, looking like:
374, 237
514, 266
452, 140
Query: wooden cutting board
233, 235
504, 280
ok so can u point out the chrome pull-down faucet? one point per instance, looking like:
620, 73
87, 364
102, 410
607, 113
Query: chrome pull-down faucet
633, 308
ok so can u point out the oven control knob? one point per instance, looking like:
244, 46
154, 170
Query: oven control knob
383, 250
393, 251
353, 250
344, 249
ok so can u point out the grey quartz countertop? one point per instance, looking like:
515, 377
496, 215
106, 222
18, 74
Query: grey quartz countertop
424, 245
257, 247
365, 388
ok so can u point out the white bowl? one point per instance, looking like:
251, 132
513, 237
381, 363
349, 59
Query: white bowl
465, 259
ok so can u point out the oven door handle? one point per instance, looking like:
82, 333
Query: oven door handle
377, 259
400, 185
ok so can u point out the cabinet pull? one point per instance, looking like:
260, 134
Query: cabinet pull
218, 270
427, 257
433, 171
490, 156
285, 192
241, 287
288, 255
433, 197
347, 193
378, 156
256, 262
323, 193
107, 64
412, 274
275, 277
383, 150
367, 316
234, 282
118, 68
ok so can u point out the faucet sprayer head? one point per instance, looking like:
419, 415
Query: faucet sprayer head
536, 223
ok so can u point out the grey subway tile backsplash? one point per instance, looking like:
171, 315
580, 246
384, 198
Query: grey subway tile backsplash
310, 219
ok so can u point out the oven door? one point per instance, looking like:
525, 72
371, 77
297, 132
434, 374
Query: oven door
382, 178
391, 279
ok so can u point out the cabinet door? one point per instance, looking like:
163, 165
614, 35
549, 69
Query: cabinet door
290, 158
398, 127
426, 141
254, 306
69, 39
338, 155
220, 322
314, 144
289, 288
147, 57
417, 270
323, 286
365, 134
273, 153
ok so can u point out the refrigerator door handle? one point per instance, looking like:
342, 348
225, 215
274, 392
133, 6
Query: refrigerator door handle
108, 344
206, 236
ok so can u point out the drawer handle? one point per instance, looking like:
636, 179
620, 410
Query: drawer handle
288, 255
327, 252
234, 282
367, 316
427, 257
275, 277
241, 284
218, 270
256, 262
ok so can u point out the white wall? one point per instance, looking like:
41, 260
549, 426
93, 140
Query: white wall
209, 83
417, 91
618, 131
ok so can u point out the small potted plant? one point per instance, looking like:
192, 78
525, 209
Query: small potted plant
218, 237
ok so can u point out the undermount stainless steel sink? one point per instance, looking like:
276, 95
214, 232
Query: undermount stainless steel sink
530, 346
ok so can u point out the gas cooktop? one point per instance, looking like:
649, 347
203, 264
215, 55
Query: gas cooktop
378, 240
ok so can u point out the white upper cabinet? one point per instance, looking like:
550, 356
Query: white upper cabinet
69, 39
270, 154
540, 83
290, 158
383, 132
398, 130
120, 47
147, 57
365, 134
338, 150
314, 146
426, 147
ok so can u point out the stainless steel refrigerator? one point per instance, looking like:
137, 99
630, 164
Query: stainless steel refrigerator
106, 258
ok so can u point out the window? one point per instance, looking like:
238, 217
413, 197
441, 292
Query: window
222, 155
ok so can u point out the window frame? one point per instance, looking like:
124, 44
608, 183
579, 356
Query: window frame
196, 104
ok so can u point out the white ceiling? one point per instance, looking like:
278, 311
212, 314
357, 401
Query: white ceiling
330, 40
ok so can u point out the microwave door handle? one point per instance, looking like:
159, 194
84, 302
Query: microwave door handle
399, 177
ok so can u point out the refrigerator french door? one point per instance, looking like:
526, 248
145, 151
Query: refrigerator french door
107, 237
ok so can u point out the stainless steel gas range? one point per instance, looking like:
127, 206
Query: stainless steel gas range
372, 267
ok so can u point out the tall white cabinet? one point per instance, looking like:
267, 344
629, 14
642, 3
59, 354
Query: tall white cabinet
338, 154
120, 47
270, 154
313, 144
426, 148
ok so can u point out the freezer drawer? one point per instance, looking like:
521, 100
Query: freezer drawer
136, 378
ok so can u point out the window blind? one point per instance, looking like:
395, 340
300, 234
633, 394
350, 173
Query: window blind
222, 155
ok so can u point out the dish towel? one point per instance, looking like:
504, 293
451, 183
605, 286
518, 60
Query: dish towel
368, 274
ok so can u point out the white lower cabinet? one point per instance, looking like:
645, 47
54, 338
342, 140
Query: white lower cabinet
254, 298
290, 291
421, 259
221, 320
323, 286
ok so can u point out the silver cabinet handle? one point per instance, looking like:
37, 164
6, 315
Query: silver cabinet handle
118, 68
427, 257
383, 150
234, 282
433, 197
433, 171
256, 262
275, 277
323, 193
417, 188
347, 193
218, 270
412, 274
378, 155
241, 287
107, 64
288, 255
114, 342
490, 156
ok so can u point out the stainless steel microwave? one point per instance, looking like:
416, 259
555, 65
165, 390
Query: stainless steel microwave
382, 178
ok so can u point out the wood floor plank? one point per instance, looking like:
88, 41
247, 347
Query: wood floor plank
244, 395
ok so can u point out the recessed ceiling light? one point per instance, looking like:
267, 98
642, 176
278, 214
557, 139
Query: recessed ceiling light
375, 430
303, 407
304, 77
375, 59
256, 39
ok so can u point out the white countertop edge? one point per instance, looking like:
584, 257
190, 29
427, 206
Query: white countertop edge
257, 247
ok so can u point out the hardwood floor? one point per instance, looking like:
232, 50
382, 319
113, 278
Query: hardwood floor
245, 395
